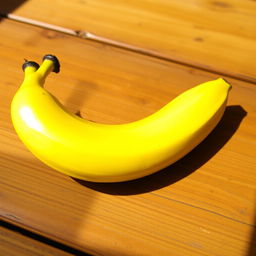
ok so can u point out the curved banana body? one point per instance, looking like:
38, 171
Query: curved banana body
112, 153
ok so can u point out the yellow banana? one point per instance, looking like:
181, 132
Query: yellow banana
112, 153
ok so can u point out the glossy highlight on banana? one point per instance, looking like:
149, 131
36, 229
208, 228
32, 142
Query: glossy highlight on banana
112, 153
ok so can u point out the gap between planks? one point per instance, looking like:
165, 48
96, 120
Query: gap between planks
41, 238
96, 38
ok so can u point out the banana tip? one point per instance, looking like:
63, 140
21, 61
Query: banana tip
227, 83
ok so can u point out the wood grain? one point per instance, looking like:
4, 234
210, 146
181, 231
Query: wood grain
14, 243
213, 35
202, 205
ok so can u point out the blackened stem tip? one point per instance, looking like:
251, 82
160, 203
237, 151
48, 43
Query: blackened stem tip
28, 63
55, 61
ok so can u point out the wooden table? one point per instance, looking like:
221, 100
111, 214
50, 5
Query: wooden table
121, 61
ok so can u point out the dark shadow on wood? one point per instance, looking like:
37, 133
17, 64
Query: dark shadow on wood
9, 6
182, 168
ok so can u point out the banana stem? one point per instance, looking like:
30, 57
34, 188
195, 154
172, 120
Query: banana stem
29, 67
46, 68
29, 70
50, 64
33, 71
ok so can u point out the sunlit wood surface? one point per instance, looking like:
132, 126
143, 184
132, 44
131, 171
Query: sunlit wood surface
202, 205
217, 35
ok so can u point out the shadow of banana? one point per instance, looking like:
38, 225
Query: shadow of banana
191, 162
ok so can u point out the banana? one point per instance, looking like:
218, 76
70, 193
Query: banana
112, 153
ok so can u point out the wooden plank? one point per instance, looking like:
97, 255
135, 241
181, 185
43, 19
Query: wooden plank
213, 35
13, 243
203, 205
